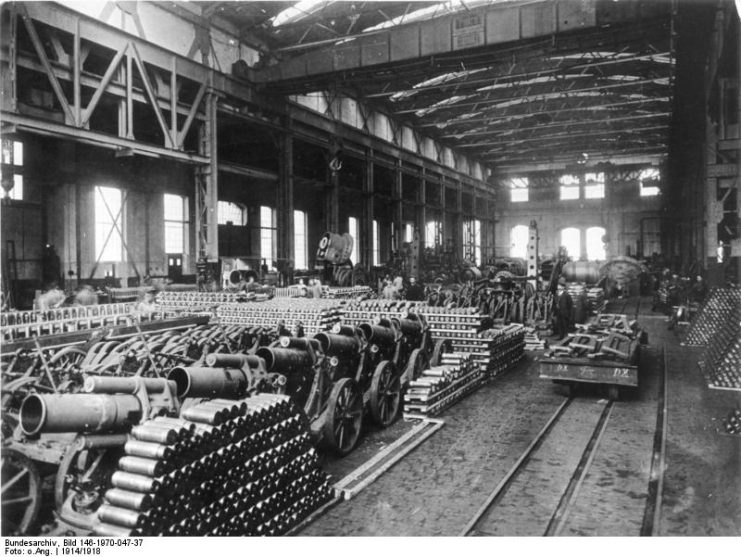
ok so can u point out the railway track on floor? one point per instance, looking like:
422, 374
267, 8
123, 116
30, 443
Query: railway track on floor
554, 523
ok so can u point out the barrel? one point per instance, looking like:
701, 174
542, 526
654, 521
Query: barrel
582, 271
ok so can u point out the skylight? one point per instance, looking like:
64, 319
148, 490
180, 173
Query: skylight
441, 8
299, 11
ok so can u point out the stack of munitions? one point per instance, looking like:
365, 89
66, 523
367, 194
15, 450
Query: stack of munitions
596, 300
441, 386
191, 300
533, 341
506, 347
316, 315
225, 467
347, 292
721, 361
732, 422
713, 316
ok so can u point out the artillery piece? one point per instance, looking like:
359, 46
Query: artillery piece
334, 376
81, 436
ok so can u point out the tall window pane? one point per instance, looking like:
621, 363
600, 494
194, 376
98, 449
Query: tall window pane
376, 245
231, 212
519, 190
571, 240
595, 244
352, 228
300, 234
518, 238
433, 232
594, 185
569, 187
267, 235
108, 224
649, 180
176, 218
408, 233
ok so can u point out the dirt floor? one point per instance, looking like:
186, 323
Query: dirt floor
436, 489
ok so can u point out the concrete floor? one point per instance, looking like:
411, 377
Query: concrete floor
436, 489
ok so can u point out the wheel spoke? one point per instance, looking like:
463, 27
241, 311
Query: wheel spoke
16, 478
341, 437
17, 500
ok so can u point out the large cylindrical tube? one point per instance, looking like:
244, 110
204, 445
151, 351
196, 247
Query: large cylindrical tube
298, 343
284, 360
338, 345
410, 327
81, 413
377, 334
122, 385
209, 382
581, 271
226, 360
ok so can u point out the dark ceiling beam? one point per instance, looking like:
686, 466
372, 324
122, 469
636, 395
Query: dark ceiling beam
569, 123
520, 115
493, 24
596, 156
529, 97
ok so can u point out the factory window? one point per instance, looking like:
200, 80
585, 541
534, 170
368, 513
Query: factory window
433, 234
649, 180
352, 228
594, 187
408, 233
108, 224
376, 245
300, 235
595, 244
518, 239
571, 240
519, 191
12, 159
176, 223
472, 241
267, 235
231, 212
569, 187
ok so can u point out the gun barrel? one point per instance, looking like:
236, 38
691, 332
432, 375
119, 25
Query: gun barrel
209, 382
82, 413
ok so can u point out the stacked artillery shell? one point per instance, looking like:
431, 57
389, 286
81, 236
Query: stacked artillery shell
348, 292
713, 316
506, 347
533, 341
316, 314
223, 468
721, 360
596, 300
442, 386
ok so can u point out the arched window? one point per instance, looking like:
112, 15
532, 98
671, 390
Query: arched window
518, 238
571, 240
595, 244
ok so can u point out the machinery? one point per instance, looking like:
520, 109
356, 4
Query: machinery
334, 255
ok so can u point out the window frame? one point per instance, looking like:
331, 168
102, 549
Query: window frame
267, 234
649, 191
353, 228
109, 218
182, 223
224, 216
300, 239
14, 150
519, 189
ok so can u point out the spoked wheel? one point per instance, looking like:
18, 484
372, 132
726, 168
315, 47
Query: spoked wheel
83, 476
67, 358
442, 346
345, 416
21, 493
385, 394
417, 363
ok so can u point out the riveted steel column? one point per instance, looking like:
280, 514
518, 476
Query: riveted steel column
207, 187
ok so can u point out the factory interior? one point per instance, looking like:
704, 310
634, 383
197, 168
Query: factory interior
333, 268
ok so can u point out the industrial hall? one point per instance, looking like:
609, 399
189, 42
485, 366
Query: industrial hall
344, 268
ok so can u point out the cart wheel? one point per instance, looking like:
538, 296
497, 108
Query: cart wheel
84, 474
442, 346
21, 493
345, 415
613, 392
385, 394
416, 364
67, 358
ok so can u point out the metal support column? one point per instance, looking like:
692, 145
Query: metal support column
397, 213
284, 204
331, 194
207, 187
458, 222
365, 249
10, 86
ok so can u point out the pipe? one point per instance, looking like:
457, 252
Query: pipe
208, 382
123, 385
80, 413
227, 360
